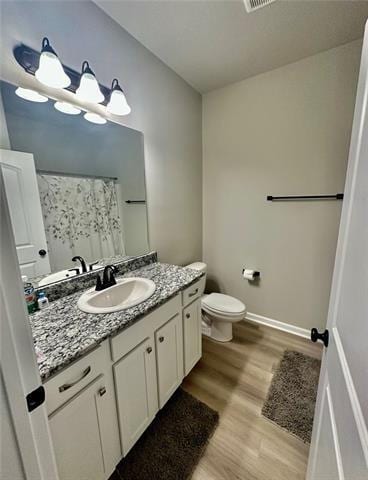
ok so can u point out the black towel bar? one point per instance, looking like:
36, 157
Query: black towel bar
135, 201
336, 196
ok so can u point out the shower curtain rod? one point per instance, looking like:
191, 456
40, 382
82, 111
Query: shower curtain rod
77, 175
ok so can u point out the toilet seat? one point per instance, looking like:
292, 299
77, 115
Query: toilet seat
223, 305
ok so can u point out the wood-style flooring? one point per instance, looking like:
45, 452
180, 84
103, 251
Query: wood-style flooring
233, 378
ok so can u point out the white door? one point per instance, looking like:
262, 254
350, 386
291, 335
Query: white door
21, 189
339, 447
136, 392
25, 436
169, 351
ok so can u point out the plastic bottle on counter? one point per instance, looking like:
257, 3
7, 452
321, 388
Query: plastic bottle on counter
30, 295
43, 301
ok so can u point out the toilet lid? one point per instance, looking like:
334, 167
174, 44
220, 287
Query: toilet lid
223, 303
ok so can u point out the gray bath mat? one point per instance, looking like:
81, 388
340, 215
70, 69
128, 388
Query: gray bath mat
173, 444
292, 395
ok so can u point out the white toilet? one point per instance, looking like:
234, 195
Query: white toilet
219, 311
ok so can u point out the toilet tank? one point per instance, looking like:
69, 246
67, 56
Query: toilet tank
200, 267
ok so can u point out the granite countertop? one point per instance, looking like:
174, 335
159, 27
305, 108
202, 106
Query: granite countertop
62, 333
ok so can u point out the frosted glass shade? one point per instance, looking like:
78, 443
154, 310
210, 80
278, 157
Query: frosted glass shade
31, 95
67, 108
50, 71
118, 104
89, 90
94, 118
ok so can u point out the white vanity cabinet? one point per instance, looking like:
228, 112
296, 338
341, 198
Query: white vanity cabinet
76, 434
136, 392
192, 334
149, 368
169, 356
101, 404
84, 429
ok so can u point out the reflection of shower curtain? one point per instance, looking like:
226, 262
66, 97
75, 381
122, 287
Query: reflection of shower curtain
81, 217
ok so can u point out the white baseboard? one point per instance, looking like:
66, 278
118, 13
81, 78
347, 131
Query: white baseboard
285, 327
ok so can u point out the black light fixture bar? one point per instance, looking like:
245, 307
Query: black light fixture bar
336, 196
29, 59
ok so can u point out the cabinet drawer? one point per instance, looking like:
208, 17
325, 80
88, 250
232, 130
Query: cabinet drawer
137, 333
193, 292
70, 381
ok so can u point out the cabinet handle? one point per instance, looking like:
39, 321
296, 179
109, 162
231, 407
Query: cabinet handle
161, 339
188, 315
66, 386
194, 293
149, 349
102, 391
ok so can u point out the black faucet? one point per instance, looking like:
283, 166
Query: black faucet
108, 279
82, 262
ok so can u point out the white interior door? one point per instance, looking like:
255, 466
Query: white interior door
21, 189
26, 446
339, 447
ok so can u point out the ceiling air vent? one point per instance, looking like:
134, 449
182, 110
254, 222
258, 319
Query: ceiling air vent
252, 5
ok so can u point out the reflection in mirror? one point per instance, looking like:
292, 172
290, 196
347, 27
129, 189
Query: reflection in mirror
76, 190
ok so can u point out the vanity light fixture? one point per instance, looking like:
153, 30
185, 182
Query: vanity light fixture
67, 108
118, 104
89, 89
83, 84
50, 71
95, 118
31, 95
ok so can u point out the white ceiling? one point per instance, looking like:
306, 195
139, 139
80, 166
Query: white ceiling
211, 43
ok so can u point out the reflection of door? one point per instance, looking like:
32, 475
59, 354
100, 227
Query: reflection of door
339, 448
25, 211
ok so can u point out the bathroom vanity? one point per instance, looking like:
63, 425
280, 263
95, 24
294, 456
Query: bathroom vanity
106, 376
73, 212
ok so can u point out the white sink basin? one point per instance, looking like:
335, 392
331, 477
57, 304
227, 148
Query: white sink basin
61, 275
128, 292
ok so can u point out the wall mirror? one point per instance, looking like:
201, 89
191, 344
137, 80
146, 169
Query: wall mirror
74, 189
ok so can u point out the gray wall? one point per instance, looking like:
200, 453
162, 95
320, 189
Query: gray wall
164, 108
283, 132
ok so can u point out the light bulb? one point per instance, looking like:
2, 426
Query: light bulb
67, 108
95, 118
118, 104
50, 71
89, 89
30, 95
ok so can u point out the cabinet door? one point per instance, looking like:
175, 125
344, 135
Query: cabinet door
136, 392
76, 435
192, 335
169, 347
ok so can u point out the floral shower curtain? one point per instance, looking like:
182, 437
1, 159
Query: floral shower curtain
81, 217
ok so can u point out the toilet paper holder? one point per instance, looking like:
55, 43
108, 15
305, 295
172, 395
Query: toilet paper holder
254, 274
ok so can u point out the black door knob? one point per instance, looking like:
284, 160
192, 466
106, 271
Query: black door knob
42, 252
324, 337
